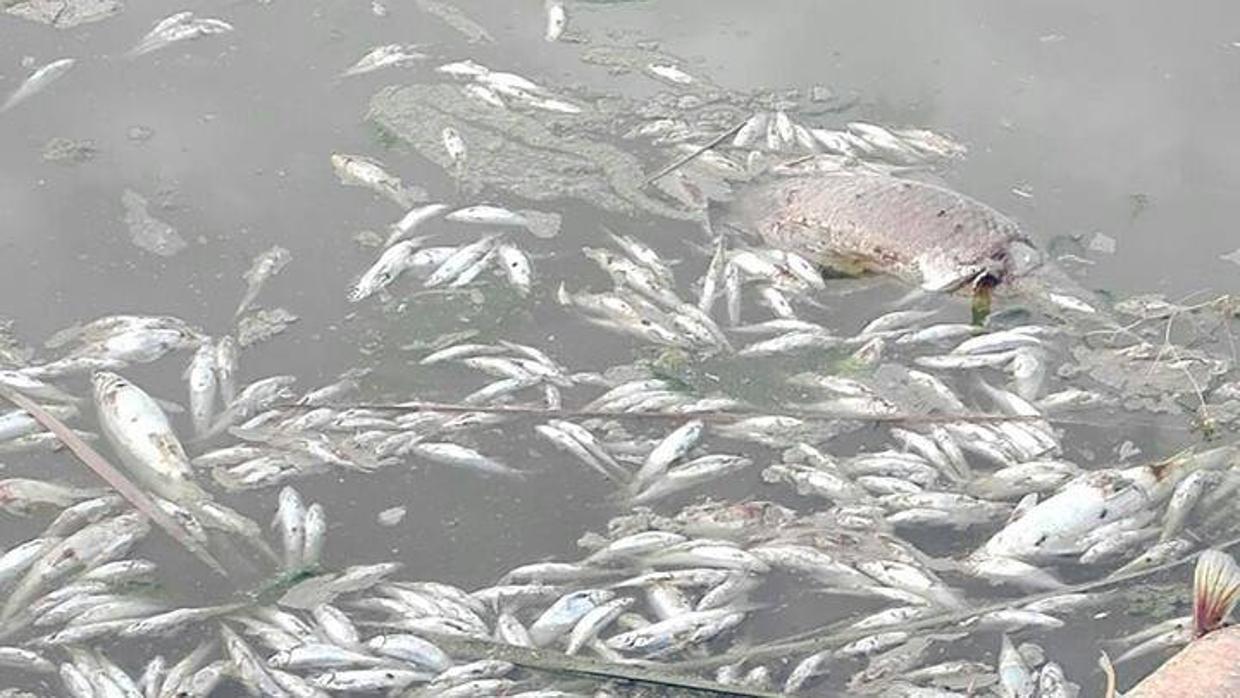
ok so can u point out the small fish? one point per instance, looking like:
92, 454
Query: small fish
486, 214
411, 220
226, 364
357, 171
314, 528
385, 270
750, 131
1184, 498
557, 20
671, 448
38, 81
386, 56
202, 387
1015, 678
22, 495
516, 266
460, 456
461, 262
484, 94
671, 73
412, 649
178, 27
266, 265
561, 616
454, 145
290, 518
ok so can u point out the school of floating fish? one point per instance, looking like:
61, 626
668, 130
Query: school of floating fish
865, 438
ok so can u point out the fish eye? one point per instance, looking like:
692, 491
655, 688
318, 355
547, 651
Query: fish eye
1040, 541
1102, 514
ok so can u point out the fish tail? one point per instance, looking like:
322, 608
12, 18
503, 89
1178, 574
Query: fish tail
1216, 588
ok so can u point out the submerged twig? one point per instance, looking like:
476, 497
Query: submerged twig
681, 162
730, 415
96, 462
543, 660
814, 641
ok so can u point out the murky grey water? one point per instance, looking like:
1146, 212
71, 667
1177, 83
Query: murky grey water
1116, 119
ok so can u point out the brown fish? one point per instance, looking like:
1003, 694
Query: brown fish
920, 233
861, 222
1210, 666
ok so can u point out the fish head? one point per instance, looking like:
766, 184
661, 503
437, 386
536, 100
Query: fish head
105, 385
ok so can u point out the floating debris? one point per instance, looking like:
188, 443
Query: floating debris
146, 231
69, 151
261, 325
63, 14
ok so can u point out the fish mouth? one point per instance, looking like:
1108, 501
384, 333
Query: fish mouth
105, 380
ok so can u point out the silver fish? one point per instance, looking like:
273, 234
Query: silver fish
38, 81
410, 221
226, 364
202, 387
141, 435
557, 20
178, 27
391, 263
264, 266
386, 56
358, 171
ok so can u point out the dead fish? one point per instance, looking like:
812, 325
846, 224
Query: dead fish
266, 265
1056, 525
670, 73
557, 20
178, 27
486, 214
1207, 667
386, 56
384, 271
202, 387
226, 364
454, 145
357, 171
411, 220
516, 266
140, 434
858, 222
38, 81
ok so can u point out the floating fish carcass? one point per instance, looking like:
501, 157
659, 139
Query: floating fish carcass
858, 222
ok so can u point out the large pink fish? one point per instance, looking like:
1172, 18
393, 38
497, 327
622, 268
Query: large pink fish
922, 234
1210, 666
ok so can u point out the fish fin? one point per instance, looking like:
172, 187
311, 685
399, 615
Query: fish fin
1022, 507
1216, 588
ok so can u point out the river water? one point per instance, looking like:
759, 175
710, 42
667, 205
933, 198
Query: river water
1108, 118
